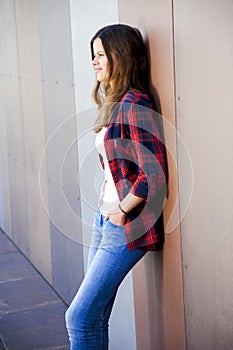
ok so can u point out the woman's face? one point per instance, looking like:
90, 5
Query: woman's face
100, 61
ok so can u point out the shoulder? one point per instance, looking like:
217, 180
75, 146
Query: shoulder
136, 97
136, 108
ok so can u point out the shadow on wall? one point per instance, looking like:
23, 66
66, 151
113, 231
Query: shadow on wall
154, 280
156, 101
153, 267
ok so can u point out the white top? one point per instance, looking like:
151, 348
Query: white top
110, 198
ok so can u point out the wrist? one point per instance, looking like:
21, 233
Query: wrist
122, 210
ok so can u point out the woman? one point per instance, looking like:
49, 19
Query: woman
129, 220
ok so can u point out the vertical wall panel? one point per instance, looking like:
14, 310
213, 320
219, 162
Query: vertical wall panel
84, 77
61, 147
158, 278
34, 131
5, 204
204, 82
14, 128
86, 18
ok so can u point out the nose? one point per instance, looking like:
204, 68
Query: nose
95, 61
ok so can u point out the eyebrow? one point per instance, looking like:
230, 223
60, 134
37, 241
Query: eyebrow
102, 51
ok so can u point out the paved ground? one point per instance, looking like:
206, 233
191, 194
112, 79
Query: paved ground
31, 313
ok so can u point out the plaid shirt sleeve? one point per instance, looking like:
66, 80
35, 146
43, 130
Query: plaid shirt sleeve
148, 148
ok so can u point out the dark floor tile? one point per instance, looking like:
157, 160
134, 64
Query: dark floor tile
31, 313
39, 329
6, 245
26, 294
14, 265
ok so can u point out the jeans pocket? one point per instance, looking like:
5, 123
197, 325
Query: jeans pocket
114, 225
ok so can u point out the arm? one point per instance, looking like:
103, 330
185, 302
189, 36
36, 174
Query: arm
149, 153
149, 150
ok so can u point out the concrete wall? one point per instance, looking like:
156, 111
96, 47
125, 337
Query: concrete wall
63, 204
204, 84
13, 176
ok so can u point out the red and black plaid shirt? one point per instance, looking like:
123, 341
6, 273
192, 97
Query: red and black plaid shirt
136, 155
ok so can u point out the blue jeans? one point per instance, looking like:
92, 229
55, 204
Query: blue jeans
109, 262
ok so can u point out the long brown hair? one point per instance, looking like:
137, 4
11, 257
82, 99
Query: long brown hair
128, 68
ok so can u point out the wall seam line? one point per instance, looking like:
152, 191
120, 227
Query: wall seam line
23, 133
178, 182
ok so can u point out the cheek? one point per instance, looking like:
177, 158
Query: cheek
106, 69
105, 64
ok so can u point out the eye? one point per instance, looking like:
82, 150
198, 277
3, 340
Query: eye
99, 54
